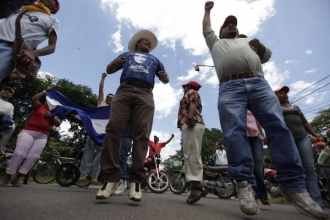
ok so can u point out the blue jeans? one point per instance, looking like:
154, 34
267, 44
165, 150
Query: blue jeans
90, 164
257, 150
306, 154
125, 148
6, 59
235, 97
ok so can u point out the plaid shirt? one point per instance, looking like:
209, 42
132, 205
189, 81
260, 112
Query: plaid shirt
190, 96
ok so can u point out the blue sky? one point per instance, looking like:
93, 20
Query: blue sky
94, 32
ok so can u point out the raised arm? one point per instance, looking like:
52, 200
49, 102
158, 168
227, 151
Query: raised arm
35, 99
101, 86
206, 19
169, 140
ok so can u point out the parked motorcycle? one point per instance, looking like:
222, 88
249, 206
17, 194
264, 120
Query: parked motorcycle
271, 184
157, 179
215, 179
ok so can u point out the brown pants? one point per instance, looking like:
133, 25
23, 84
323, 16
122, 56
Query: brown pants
138, 102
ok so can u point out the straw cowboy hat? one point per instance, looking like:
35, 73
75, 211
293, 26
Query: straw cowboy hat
139, 35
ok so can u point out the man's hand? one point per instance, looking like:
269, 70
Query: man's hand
208, 5
163, 77
172, 136
119, 62
104, 75
258, 47
26, 56
190, 122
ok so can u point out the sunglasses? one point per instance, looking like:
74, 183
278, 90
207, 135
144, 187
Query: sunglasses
109, 97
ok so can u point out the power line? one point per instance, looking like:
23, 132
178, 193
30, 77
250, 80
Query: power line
309, 87
310, 92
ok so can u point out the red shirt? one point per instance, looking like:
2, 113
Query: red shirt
157, 147
38, 122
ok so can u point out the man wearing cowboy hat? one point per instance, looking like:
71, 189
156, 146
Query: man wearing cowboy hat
133, 98
242, 87
6, 115
191, 124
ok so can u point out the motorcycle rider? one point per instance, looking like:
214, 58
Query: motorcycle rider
155, 147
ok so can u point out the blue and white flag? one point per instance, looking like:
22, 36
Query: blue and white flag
94, 119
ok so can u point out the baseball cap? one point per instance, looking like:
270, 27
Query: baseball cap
231, 19
284, 88
193, 83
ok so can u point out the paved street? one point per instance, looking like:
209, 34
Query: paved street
52, 202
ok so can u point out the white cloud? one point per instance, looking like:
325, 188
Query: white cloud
308, 51
166, 98
274, 75
289, 61
116, 40
179, 23
311, 71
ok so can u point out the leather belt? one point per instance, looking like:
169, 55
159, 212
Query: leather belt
138, 84
241, 76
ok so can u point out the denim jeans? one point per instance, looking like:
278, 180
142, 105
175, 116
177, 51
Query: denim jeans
90, 164
306, 154
257, 150
235, 97
6, 59
125, 148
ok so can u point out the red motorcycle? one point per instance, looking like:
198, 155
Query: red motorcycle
157, 179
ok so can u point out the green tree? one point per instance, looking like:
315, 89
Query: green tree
321, 123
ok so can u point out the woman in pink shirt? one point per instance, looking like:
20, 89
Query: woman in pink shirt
256, 138
32, 139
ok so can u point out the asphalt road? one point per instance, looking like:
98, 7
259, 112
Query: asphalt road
52, 202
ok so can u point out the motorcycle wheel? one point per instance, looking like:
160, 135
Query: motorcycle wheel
67, 174
229, 191
178, 183
158, 185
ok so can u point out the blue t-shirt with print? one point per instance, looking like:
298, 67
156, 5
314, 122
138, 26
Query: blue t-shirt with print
141, 67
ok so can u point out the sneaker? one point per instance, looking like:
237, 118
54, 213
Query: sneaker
304, 204
121, 188
107, 190
135, 193
246, 198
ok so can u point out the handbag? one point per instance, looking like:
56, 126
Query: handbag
31, 69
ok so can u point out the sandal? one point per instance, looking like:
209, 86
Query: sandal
195, 198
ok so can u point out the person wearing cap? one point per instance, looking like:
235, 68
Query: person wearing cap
191, 124
31, 140
37, 26
134, 98
6, 115
300, 129
243, 87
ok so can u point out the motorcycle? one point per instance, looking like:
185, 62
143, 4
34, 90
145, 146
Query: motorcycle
215, 179
271, 184
157, 179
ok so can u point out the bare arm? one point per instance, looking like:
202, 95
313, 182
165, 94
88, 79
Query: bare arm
100, 98
115, 65
191, 112
169, 140
35, 99
206, 19
28, 55
307, 126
